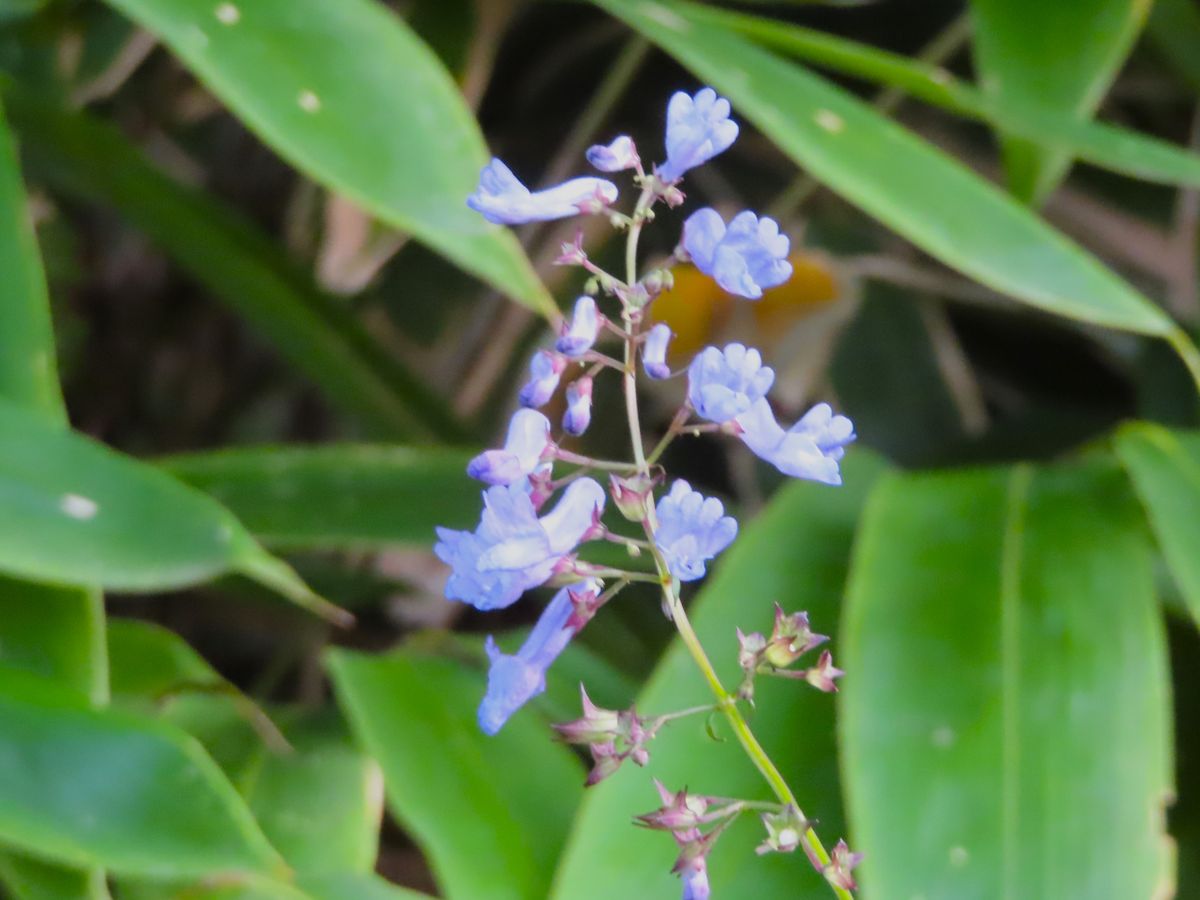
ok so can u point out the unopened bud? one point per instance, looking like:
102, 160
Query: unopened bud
791, 638
631, 495
840, 870
673, 196
821, 675
657, 281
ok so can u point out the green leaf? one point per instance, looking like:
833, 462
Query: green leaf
227, 887
888, 172
320, 805
344, 495
349, 95
30, 879
1174, 30
1054, 57
1165, 469
360, 887
1006, 702
149, 661
92, 516
239, 264
99, 787
1119, 149
796, 552
490, 813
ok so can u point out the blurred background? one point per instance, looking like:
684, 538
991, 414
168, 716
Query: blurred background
245, 321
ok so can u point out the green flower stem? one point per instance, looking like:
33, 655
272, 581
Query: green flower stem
725, 702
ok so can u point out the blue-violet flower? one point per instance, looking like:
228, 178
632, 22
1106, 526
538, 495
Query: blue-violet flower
723, 383
579, 406
503, 199
514, 680
578, 337
528, 438
692, 529
545, 368
809, 449
698, 128
745, 258
654, 352
512, 550
616, 156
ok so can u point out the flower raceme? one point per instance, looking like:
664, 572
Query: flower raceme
513, 550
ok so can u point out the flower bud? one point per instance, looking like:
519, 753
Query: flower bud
545, 369
821, 675
673, 196
579, 406
791, 638
654, 352
631, 495
597, 725
657, 281
841, 866
616, 156
784, 831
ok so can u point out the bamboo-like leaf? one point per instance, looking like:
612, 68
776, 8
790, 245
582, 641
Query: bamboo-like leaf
349, 95
923, 194
1019, 55
1006, 704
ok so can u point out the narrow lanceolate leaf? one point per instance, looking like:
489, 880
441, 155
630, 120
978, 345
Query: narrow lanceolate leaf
348, 94
1022, 55
1006, 730
490, 813
360, 887
53, 631
92, 516
337, 496
240, 265
796, 554
1119, 149
1174, 31
887, 171
99, 787
1165, 468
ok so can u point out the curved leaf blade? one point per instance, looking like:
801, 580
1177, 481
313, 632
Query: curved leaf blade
1118, 149
489, 812
92, 516
795, 552
1007, 689
341, 495
87, 787
351, 96
1019, 48
888, 172
1165, 469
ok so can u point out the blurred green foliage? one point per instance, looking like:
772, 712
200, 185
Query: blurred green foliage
233, 236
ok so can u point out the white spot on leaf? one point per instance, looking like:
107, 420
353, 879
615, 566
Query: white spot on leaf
309, 102
78, 507
829, 120
943, 736
228, 14
959, 857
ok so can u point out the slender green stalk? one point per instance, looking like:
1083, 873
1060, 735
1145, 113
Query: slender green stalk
725, 701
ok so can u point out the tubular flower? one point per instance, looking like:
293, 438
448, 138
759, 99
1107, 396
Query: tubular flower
698, 128
654, 352
616, 156
722, 384
579, 336
512, 550
579, 407
501, 198
809, 449
514, 680
692, 529
744, 258
545, 369
528, 438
